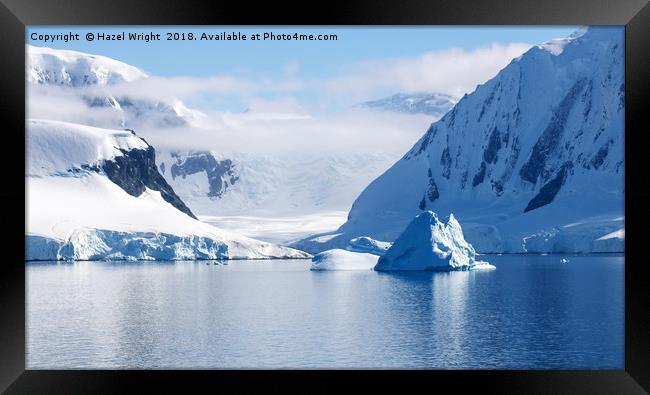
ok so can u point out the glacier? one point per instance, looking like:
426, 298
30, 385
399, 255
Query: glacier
96, 194
531, 161
227, 183
430, 244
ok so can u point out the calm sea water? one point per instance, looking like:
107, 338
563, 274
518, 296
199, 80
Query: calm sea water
532, 312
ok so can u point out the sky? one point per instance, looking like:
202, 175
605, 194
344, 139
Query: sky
311, 76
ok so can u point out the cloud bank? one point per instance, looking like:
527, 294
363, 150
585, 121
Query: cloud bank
278, 118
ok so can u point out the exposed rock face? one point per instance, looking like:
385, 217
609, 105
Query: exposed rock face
547, 144
549, 190
221, 173
136, 170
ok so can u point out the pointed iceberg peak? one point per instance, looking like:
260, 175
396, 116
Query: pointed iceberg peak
451, 220
429, 244
447, 222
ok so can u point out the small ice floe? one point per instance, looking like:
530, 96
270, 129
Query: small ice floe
338, 259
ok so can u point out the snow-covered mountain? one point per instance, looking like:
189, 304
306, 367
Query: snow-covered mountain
97, 194
77, 72
76, 69
531, 161
435, 104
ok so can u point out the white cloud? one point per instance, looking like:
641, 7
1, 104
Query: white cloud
280, 126
358, 131
283, 122
453, 71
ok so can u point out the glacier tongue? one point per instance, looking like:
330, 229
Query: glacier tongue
429, 244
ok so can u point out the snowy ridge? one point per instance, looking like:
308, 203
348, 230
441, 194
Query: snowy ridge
57, 147
75, 211
533, 150
556, 46
76, 69
76, 72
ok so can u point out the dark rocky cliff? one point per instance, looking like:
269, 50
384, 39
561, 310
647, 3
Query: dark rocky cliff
136, 170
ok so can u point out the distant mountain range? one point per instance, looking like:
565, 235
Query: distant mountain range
435, 104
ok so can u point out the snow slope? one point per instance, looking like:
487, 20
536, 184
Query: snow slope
78, 209
54, 147
531, 161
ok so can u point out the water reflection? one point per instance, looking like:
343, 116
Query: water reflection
532, 312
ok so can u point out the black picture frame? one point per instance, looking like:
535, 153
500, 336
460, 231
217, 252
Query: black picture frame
15, 15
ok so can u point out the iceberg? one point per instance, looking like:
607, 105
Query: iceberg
430, 244
338, 259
